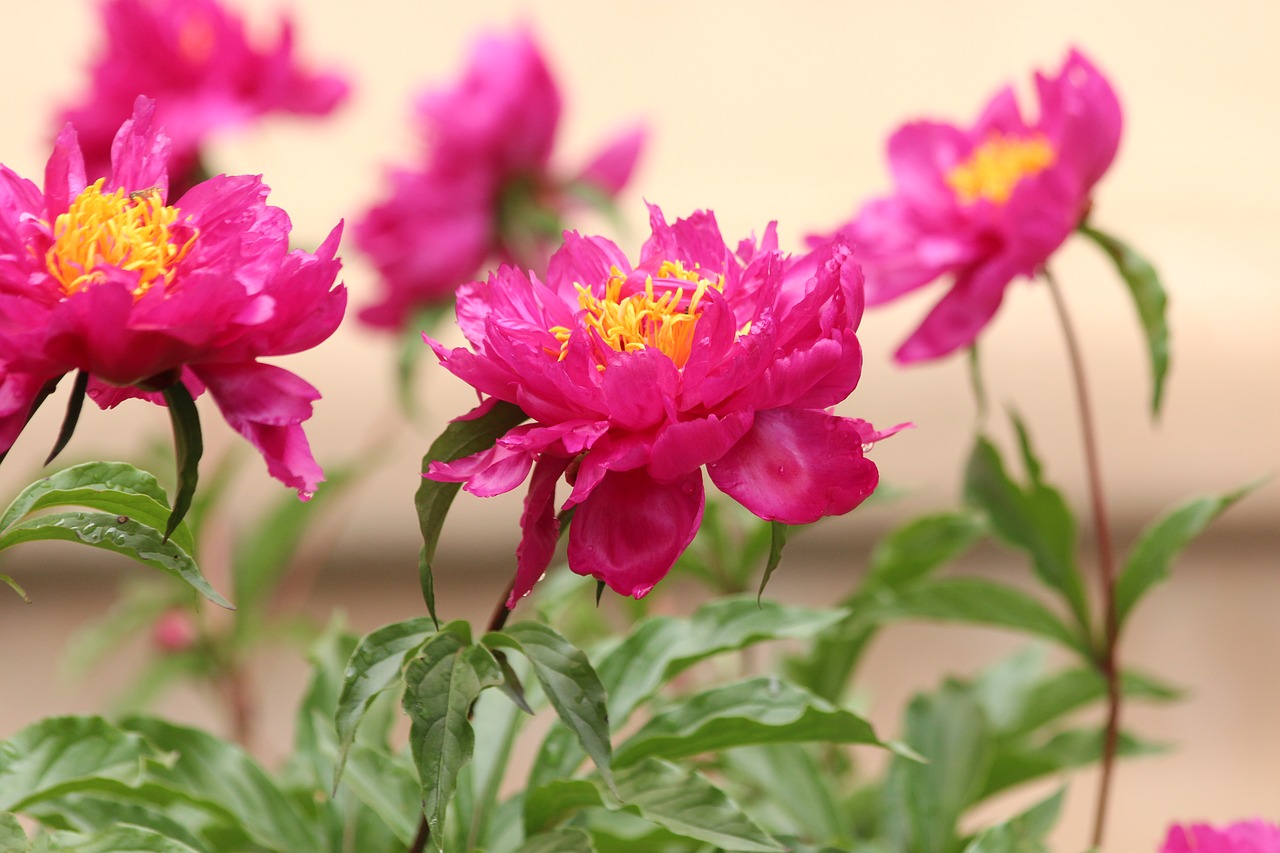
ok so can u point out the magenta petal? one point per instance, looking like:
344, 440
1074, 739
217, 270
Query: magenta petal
266, 404
64, 173
796, 466
612, 167
17, 393
686, 446
490, 472
140, 152
960, 315
631, 529
540, 529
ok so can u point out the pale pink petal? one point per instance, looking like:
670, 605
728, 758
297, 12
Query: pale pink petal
631, 529
796, 466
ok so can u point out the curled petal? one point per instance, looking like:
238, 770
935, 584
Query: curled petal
631, 529
686, 446
267, 404
796, 466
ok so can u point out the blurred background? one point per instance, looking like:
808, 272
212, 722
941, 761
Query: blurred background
780, 112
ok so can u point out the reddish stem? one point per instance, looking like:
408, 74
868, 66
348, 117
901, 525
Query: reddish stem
1106, 656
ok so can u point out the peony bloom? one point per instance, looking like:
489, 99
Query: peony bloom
637, 377
485, 189
1247, 836
193, 58
985, 204
110, 278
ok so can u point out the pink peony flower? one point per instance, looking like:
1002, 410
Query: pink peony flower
637, 377
1247, 836
111, 279
485, 189
194, 59
986, 204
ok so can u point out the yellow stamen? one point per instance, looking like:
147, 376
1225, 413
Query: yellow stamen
997, 165
641, 320
128, 231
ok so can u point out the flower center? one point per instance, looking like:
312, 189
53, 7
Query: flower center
641, 320
127, 231
997, 165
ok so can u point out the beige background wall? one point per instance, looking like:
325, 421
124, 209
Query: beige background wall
779, 111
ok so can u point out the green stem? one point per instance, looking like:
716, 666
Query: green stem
1106, 656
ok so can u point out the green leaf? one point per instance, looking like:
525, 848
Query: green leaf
1160, 544
924, 802
1018, 762
981, 602
461, 438
440, 687
789, 778
1024, 833
42, 759
115, 839
216, 774
660, 648
678, 800
570, 683
12, 838
1035, 519
558, 841
915, 550
74, 404
905, 556
129, 537
188, 446
685, 803
113, 487
1148, 297
777, 541
757, 711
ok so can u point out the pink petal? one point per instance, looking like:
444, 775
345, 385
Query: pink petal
267, 404
684, 447
612, 167
796, 466
540, 529
64, 176
965, 310
920, 155
631, 529
140, 152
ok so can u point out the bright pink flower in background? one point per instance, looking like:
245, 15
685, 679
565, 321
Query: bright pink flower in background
195, 60
986, 204
109, 278
485, 189
637, 377
1247, 836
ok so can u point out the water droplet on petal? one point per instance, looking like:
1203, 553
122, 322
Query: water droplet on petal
866, 448
304, 495
687, 488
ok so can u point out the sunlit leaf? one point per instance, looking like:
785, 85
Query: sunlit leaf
1024, 833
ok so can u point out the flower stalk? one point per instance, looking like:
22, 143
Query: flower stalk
1105, 657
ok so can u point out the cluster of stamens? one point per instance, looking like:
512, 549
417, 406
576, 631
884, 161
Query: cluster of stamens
121, 230
644, 319
996, 166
